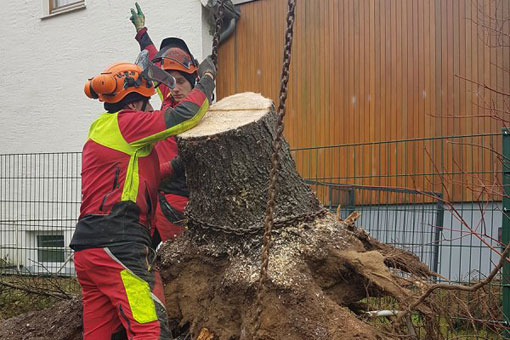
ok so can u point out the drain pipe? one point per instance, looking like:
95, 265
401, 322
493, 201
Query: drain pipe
231, 15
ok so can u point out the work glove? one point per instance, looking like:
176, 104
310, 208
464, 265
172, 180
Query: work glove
177, 165
207, 66
137, 17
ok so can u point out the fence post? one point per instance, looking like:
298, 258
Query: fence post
330, 193
352, 200
505, 238
437, 232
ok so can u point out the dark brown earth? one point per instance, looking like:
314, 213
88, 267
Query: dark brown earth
61, 322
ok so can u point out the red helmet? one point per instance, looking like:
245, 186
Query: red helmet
175, 59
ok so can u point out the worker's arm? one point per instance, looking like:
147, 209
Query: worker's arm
138, 20
142, 128
146, 43
143, 38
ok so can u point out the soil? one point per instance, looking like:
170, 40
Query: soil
60, 322
317, 272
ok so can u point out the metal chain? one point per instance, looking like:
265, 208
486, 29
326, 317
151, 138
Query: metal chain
255, 228
277, 143
216, 39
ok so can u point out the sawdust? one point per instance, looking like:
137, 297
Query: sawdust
316, 271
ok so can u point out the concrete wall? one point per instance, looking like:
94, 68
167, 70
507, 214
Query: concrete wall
45, 63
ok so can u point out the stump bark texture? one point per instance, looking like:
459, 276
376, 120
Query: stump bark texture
228, 160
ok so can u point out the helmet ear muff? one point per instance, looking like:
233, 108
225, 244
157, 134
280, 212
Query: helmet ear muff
104, 84
89, 91
117, 81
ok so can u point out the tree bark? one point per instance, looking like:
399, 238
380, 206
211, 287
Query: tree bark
228, 160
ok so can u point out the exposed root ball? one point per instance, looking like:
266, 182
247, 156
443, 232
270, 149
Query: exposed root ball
316, 272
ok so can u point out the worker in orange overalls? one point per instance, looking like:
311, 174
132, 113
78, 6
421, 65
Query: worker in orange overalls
120, 178
174, 57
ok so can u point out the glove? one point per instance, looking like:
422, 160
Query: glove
177, 165
137, 17
207, 67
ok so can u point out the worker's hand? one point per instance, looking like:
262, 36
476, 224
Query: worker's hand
177, 165
207, 67
137, 17
172, 168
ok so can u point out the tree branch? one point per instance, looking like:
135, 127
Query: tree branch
37, 292
446, 286
484, 86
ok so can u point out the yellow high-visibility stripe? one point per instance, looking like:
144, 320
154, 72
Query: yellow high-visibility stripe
160, 94
175, 130
105, 131
130, 190
139, 297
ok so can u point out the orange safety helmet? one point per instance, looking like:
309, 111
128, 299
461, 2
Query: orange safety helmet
174, 55
117, 81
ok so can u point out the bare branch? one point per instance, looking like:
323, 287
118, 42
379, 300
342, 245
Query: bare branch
484, 86
37, 291
446, 286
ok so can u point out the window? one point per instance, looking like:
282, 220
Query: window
50, 248
52, 8
56, 5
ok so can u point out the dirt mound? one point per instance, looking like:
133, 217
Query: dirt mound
61, 322
318, 273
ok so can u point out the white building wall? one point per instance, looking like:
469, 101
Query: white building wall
46, 61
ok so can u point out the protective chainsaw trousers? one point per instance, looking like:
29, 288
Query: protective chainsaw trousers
120, 290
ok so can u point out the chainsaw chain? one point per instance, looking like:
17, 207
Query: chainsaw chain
255, 228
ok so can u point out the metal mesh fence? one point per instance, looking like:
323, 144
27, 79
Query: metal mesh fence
401, 203
39, 204
437, 197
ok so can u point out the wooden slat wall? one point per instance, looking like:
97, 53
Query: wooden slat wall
378, 70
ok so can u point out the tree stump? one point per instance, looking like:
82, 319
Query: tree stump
228, 160
319, 267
